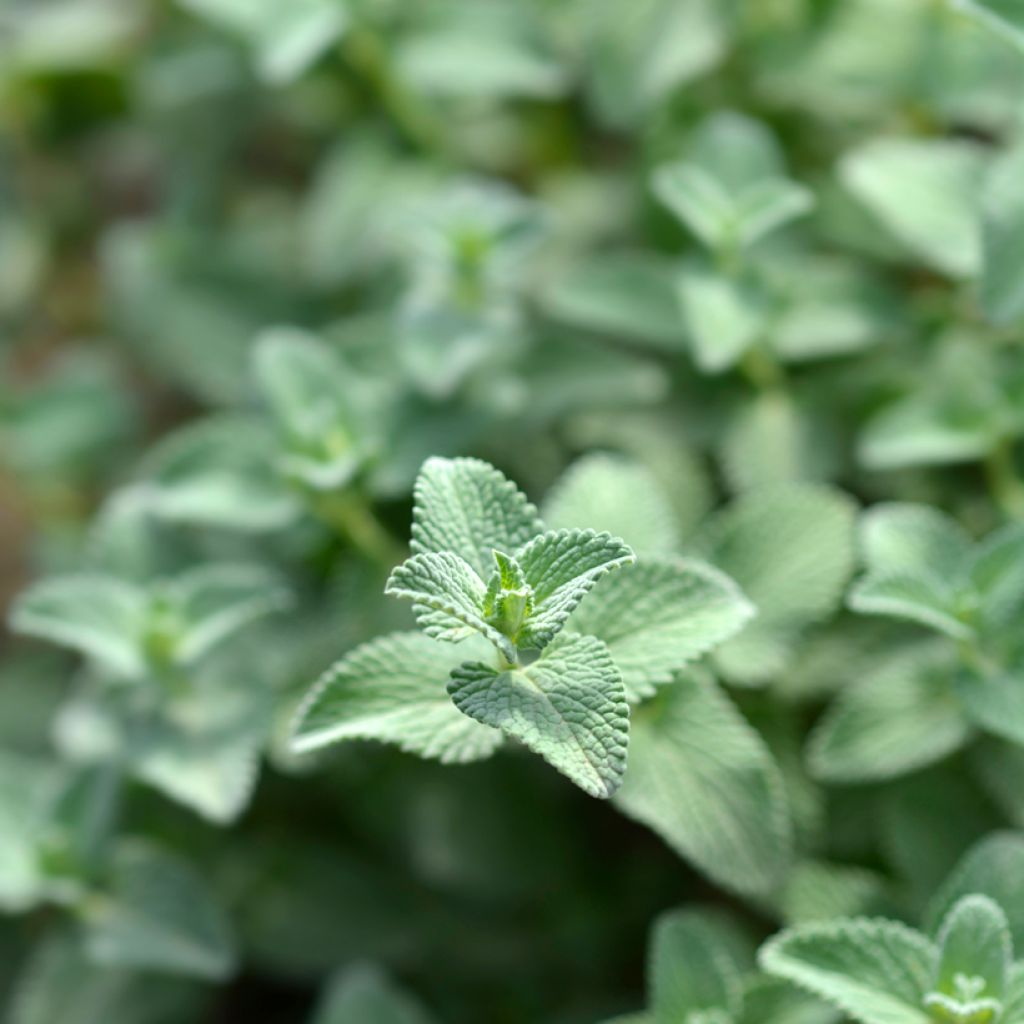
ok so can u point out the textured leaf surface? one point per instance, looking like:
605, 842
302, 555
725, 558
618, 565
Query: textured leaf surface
467, 507
617, 494
901, 718
98, 616
562, 567
569, 706
363, 994
657, 618
159, 915
704, 780
876, 971
394, 689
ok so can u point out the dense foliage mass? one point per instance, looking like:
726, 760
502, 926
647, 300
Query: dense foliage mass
512, 511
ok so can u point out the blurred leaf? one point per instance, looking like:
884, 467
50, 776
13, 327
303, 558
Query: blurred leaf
363, 994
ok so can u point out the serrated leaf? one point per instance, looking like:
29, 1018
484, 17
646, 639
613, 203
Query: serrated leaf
790, 550
993, 867
617, 494
448, 597
975, 953
394, 689
723, 318
924, 191
562, 567
467, 507
656, 618
215, 601
98, 616
704, 780
363, 994
900, 718
569, 706
917, 598
158, 915
876, 971
690, 969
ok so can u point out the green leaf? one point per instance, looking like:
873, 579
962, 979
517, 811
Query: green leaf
704, 780
900, 718
697, 199
723, 318
158, 915
285, 40
98, 616
1001, 291
790, 549
975, 953
821, 891
925, 192
466, 507
215, 601
770, 1001
997, 576
363, 994
690, 969
876, 971
656, 618
617, 494
562, 567
27, 790
918, 598
995, 703
1004, 17
569, 706
394, 689
993, 867
448, 598
899, 537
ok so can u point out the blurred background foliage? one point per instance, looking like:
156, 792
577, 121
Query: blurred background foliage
740, 242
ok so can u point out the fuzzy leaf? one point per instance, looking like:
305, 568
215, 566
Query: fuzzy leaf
876, 971
99, 616
448, 597
159, 915
562, 567
467, 507
393, 689
657, 618
902, 717
569, 706
704, 780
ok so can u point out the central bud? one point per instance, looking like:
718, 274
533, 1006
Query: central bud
509, 599
968, 1004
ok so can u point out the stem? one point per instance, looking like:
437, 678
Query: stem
1005, 486
761, 369
352, 516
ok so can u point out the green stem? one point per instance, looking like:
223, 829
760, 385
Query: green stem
351, 515
1004, 484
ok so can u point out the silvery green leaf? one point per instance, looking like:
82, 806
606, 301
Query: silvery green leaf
562, 567
158, 914
995, 703
900, 537
1001, 293
467, 507
902, 717
393, 689
790, 550
1004, 17
656, 618
285, 41
617, 494
99, 616
364, 994
925, 192
875, 971
993, 867
822, 891
448, 597
691, 969
569, 706
58, 983
722, 317
975, 953
215, 601
624, 295
918, 598
704, 780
